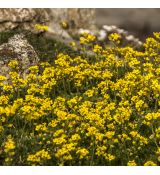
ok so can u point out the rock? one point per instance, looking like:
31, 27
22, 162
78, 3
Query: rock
11, 18
17, 48
75, 18
26, 18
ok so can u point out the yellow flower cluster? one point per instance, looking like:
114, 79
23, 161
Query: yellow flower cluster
13, 64
150, 163
9, 146
39, 157
115, 37
131, 163
87, 38
98, 109
41, 27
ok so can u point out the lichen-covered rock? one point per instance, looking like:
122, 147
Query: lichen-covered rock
75, 17
23, 18
19, 49
26, 18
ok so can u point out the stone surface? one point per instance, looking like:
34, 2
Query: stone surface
12, 18
141, 22
27, 18
17, 48
75, 19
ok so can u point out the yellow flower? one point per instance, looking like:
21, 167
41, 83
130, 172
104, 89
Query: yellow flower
60, 140
41, 27
150, 163
156, 35
109, 134
75, 137
97, 48
101, 150
82, 152
41, 127
34, 69
8, 88
64, 24
87, 38
72, 44
13, 64
9, 144
39, 156
89, 93
110, 157
4, 100
131, 163
115, 37
2, 78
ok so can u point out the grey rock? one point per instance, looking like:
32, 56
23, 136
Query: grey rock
19, 49
11, 18
26, 18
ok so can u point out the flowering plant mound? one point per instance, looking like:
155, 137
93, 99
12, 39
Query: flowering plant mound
99, 109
